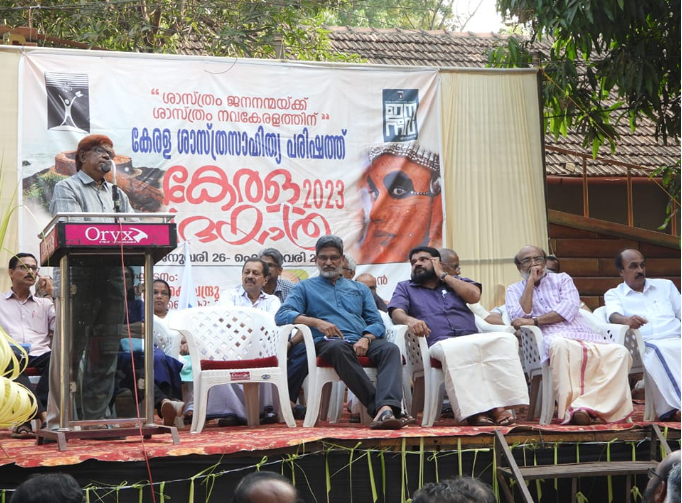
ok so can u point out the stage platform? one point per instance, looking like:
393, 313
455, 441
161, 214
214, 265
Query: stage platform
341, 462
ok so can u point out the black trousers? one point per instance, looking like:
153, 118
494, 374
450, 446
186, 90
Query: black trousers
384, 355
41, 391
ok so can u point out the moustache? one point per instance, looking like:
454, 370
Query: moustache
639, 275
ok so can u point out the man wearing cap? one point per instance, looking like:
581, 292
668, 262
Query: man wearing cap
346, 325
96, 289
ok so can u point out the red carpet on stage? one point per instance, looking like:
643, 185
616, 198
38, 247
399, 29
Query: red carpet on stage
216, 440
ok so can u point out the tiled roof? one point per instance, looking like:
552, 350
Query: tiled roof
447, 49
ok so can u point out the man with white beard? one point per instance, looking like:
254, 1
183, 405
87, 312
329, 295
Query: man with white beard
590, 376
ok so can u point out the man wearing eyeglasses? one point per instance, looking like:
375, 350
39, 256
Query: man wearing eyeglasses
590, 376
659, 489
96, 288
29, 320
346, 325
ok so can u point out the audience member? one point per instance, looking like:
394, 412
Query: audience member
29, 320
227, 400
590, 376
275, 285
653, 307
49, 488
552, 264
135, 304
346, 325
167, 381
484, 374
459, 490
673, 495
371, 282
349, 266
250, 293
450, 263
658, 489
265, 487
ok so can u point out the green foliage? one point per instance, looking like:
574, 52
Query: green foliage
406, 14
240, 28
670, 179
609, 60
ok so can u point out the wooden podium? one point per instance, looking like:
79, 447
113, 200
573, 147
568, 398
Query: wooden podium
90, 251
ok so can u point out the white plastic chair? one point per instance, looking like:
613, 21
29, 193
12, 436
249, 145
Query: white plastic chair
232, 345
427, 373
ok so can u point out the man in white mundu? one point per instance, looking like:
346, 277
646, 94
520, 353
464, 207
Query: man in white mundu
653, 307
590, 376
482, 372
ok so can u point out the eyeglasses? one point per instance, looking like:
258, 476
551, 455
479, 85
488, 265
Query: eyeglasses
32, 268
347, 268
325, 258
163, 294
652, 473
534, 260
104, 151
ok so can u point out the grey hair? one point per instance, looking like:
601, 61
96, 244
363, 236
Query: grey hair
327, 241
274, 254
352, 264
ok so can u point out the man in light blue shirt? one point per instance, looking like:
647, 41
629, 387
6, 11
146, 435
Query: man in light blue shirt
346, 325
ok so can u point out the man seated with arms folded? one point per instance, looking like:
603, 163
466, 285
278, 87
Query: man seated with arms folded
590, 376
345, 325
29, 320
483, 374
653, 307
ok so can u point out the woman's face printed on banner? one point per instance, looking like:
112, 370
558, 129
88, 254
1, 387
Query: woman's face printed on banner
402, 201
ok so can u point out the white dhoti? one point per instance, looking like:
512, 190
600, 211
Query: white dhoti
227, 399
591, 377
481, 372
662, 366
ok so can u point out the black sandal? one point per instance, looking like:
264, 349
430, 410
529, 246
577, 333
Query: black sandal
386, 421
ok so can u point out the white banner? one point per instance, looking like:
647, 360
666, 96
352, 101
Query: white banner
249, 154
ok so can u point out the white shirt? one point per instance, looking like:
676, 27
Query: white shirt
659, 303
239, 298
31, 321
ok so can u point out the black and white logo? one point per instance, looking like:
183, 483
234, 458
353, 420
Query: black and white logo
400, 114
68, 102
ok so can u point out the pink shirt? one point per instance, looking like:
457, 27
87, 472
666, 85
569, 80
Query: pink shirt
29, 322
556, 292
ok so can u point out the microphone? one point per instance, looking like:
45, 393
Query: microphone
114, 188
106, 167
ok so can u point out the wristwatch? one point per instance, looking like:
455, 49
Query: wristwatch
369, 339
535, 321
443, 276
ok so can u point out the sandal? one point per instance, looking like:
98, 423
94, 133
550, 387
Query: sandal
505, 420
23, 431
406, 419
480, 420
386, 421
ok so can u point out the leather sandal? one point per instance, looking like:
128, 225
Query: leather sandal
386, 421
480, 420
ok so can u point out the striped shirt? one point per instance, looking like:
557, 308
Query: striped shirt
81, 193
556, 292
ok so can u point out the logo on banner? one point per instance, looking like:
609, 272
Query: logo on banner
68, 102
400, 114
